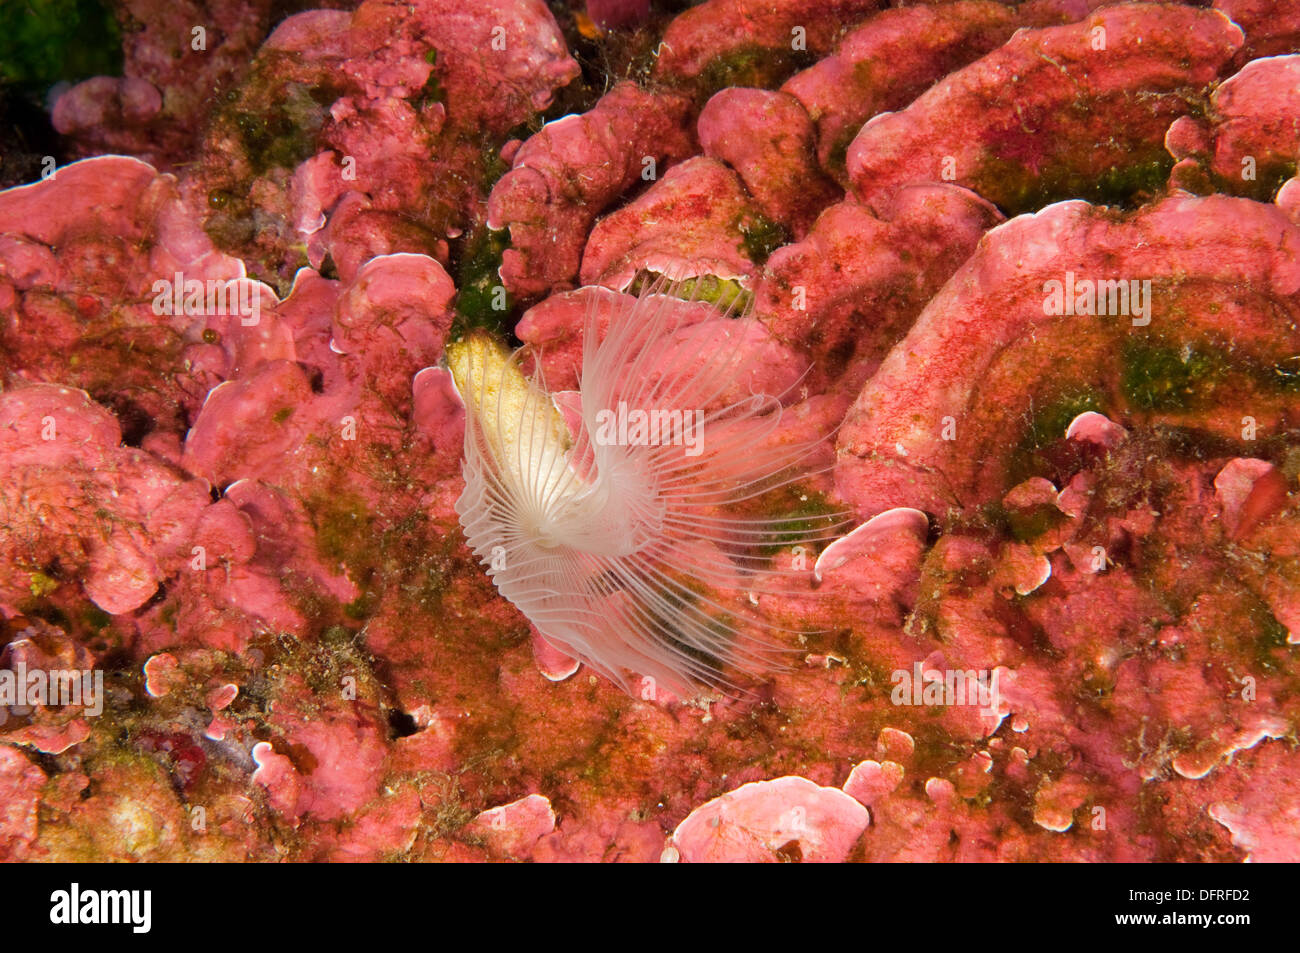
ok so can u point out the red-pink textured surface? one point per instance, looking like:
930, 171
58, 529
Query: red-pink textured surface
1051, 325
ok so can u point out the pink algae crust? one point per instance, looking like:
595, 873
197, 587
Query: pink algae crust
247, 525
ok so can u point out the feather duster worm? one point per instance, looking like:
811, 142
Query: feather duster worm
619, 519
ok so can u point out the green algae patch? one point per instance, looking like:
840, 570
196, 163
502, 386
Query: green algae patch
1026, 525
753, 66
760, 236
1157, 377
726, 294
1126, 183
483, 302
401, 555
45, 41
1258, 638
1129, 185
284, 133
837, 159
1269, 178
1045, 426
1049, 423
95, 619
1192, 376
809, 515
492, 167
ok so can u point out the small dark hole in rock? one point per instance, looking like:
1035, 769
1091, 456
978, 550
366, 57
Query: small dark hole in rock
315, 376
790, 852
401, 724
132, 418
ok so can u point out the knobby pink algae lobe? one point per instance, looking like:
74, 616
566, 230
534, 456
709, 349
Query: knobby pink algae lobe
1034, 268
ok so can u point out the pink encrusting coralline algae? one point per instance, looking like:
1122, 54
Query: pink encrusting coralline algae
1018, 288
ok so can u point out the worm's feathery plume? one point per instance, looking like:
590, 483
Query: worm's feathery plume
610, 517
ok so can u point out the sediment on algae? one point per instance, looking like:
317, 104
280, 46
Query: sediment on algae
298, 642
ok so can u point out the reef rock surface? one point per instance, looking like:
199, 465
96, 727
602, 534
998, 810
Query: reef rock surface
1033, 270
